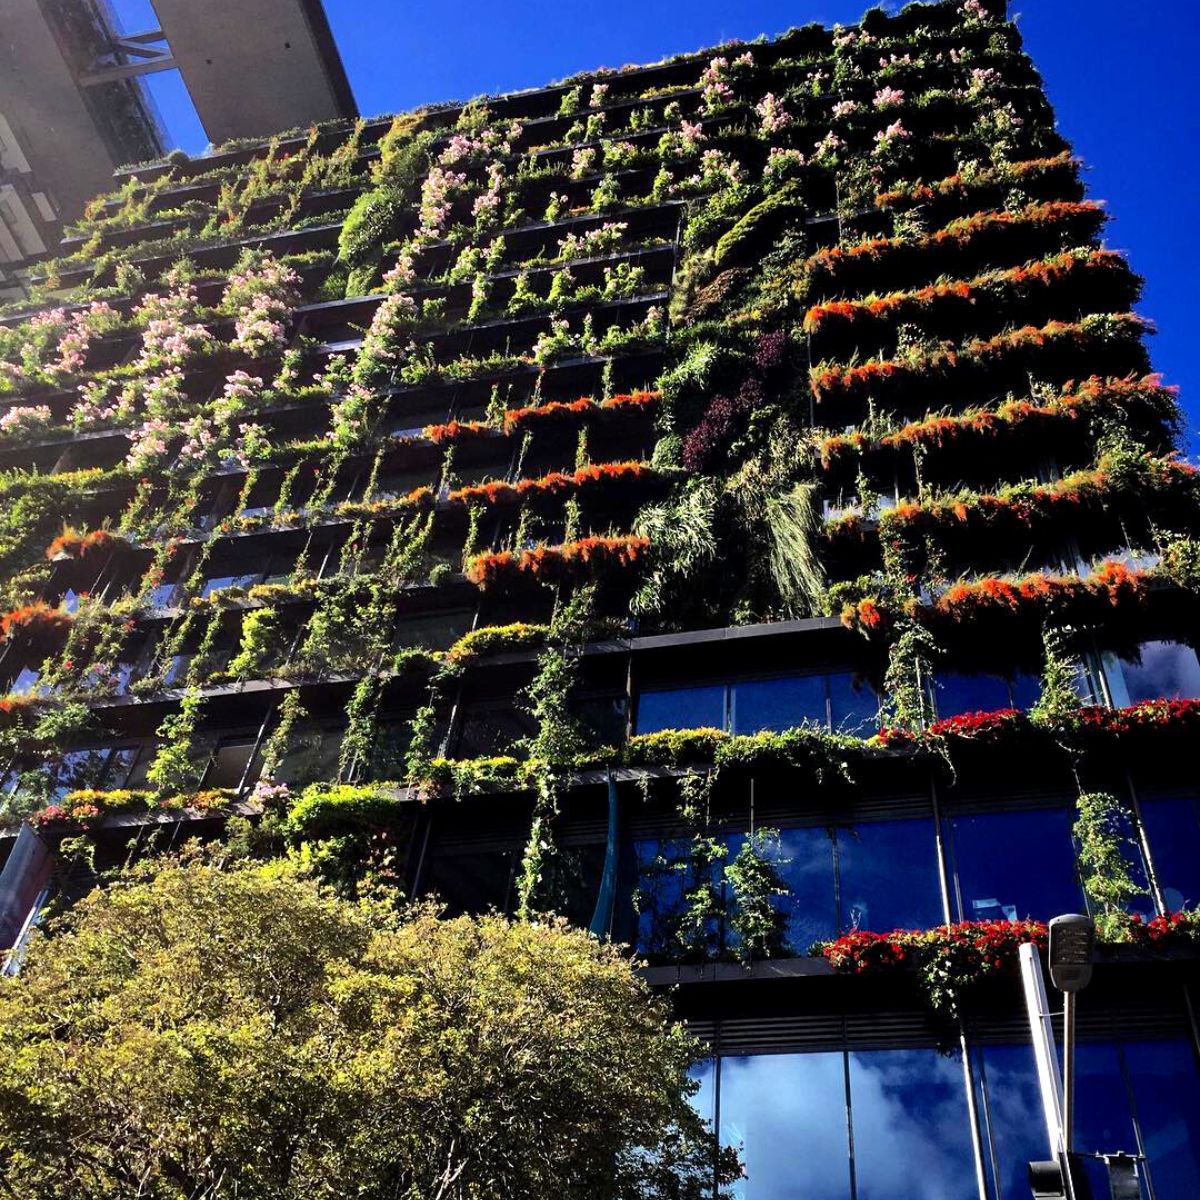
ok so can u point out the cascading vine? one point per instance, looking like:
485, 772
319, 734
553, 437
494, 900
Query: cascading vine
722, 345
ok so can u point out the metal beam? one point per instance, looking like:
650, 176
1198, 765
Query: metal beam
98, 75
139, 49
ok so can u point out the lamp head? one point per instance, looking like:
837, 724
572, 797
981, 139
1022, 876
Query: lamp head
1072, 943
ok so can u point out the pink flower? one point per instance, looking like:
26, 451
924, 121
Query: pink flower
885, 137
888, 97
772, 115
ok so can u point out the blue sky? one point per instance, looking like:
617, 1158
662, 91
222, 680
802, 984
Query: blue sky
1121, 77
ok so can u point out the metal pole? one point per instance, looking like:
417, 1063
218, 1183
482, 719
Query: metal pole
972, 1112
1042, 1034
1068, 1112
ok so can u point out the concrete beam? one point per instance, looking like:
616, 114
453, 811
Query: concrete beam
255, 67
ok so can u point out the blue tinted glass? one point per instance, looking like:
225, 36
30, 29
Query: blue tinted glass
1173, 829
1166, 669
1011, 1106
1166, 1096
667, 875
912, 1133
806, 866
221, 582
958, 694
705, 1099
1103, 1121
854, 704
779, 703
1012, 865
788, 1113
1025, 690
682, 708
888, 876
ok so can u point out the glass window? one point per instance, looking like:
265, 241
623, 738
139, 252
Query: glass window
912, 1133
806, 866
229, 764
1164, 670
888, 876
1166, 1100
602, 719
854, 705
570, 882
666, 875
119, 767
704, 1099
24, 683
162, 595
221, 582
682, 708
1013, 865
1103, 1120
1173, 830
1010, 1106
957, 694
778, 704
1024, 690
787, 1112
475, 882
79, 769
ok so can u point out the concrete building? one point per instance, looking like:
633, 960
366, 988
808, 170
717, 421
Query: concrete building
73, 106
724, 501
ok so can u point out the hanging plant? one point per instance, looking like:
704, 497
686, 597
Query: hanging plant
585, 480
1055, 176
961, 244
1056, 347
73, 544
758, 923
1105, 862
597, 556
496, 639
174, 768
38, 625
951, 962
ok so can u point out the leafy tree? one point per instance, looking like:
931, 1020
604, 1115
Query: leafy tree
204, 1032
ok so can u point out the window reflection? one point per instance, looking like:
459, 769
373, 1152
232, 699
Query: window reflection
957, 694
807, 867
1166, 1100
1172, 827
778, 704
1013, 865
474, 882
888, 875
704, 1099
911, 1130
668, 876
843, 700
882, 874
1010, 1105
788, 1114
1163, 670
854, 704
682, 708
1132, 1095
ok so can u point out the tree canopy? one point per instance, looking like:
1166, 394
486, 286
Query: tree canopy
203, 1032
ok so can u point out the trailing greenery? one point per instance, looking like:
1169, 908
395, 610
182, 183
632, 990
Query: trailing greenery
1105, 853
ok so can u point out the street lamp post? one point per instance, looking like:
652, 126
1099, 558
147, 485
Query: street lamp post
1072, 942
